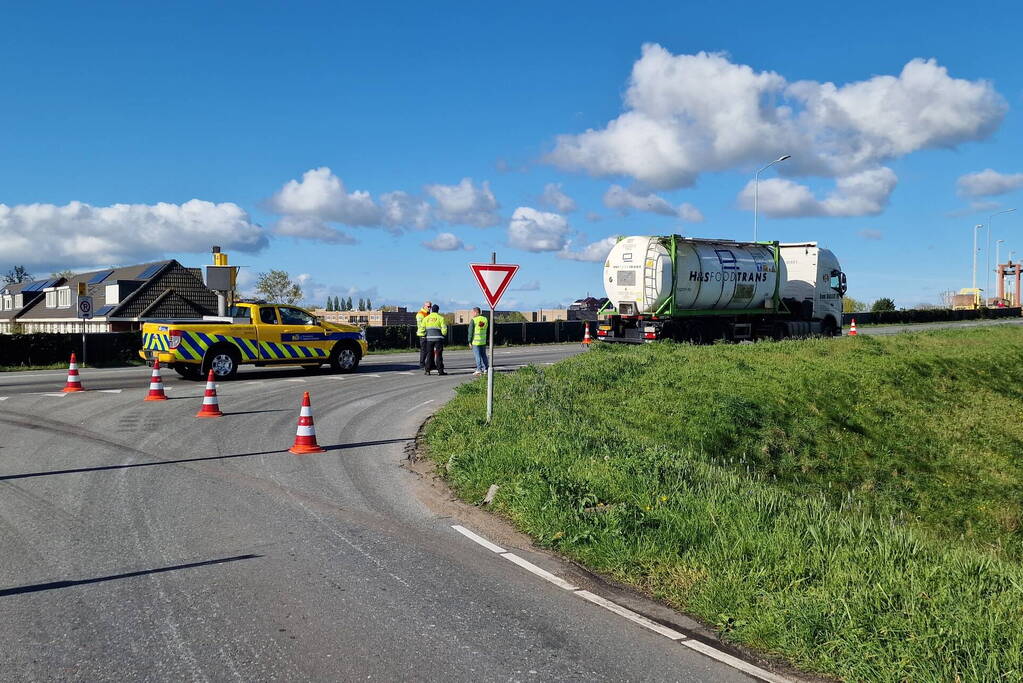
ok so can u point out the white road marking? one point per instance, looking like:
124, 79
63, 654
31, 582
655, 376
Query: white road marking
630, 615
404, 373
733, 662
110, 391
478, 539
377, 376
60, 395
627, 613
542, 573
4, 398
297, 379
419, 406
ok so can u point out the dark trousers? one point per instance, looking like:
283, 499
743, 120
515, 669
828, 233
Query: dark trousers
435, 355
422, 352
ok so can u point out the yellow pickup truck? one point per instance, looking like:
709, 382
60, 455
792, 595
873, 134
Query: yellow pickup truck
258, 334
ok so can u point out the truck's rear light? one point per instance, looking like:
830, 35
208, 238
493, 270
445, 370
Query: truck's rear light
649, 335
175, 339
602, 333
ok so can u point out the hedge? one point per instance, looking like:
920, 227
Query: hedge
928, 315
48, 349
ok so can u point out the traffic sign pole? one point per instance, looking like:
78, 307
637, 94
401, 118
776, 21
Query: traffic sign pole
493, 279
490, 357
84, 312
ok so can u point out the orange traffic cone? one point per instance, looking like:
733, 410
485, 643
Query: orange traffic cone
74, 382
156, 384
305, 437
852, 328
210, 406
586, 335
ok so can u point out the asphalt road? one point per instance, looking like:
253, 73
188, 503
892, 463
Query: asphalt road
139, 542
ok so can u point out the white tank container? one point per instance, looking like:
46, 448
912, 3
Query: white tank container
711, 274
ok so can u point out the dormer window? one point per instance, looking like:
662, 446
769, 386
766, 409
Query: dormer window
64, 297
8, 302
51, 298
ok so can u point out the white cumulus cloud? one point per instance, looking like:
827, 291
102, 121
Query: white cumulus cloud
466, 203
311, 228
536, 231
690, 114
624, 200
861, 194
988, 183
594, 251
80, 235
321, 197
446, 241
554, 197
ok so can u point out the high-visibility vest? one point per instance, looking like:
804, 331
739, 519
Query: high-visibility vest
420, 315
478, 334
435, 326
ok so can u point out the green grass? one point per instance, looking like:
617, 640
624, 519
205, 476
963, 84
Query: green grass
851, 505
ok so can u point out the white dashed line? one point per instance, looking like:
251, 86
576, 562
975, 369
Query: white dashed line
377, 376
627, 613
297, 379
60, 395
110, 391
630, 615
419, 406
542, 573
478, 539
733, 662
4, 398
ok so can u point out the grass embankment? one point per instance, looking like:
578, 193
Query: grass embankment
851, 505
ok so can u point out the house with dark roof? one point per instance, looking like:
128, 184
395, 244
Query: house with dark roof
18, 297
123, 298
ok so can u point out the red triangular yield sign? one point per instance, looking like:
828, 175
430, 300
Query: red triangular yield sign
493, 279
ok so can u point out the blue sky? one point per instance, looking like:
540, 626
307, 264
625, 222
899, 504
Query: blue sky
116, 116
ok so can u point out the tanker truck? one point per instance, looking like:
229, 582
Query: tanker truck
699, 290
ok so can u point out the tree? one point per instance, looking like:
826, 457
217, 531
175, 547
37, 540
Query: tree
329, 306
17, 274
362, 304
278, 288
851, 305
882, 305
337, 304
369, 304
66, 274
348, 304
512, 317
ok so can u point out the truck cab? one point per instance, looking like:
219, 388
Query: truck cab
254, 333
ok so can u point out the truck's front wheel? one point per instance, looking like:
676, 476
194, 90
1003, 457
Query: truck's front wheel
222, 360
345, 357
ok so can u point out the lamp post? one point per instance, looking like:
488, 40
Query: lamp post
756, 190
987, 252
976, 228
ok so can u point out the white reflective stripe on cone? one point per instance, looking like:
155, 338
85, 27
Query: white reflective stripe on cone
155, 385
209, 400
306, 412
306, 431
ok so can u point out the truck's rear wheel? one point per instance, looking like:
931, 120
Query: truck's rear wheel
345, 357
222, 360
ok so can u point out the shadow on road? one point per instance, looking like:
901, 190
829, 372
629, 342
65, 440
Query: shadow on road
101, 468
35, 588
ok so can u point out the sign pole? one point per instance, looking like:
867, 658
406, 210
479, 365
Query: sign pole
490, 357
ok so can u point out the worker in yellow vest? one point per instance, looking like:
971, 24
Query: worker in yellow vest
436, 329
421, 333
478, 328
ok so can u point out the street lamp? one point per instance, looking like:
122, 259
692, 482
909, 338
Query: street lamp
976, 228
756, 190
987, 252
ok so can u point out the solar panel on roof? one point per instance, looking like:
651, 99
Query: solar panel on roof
39, 285
149, 272
32, 287
103, 310
99, 277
